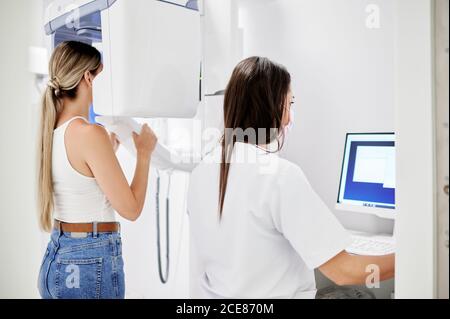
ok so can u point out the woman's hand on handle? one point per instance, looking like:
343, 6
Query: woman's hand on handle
145, 142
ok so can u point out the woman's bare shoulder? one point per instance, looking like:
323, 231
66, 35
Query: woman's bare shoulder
89, 134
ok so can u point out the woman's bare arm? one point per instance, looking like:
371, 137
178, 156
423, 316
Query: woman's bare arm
346, 269
99, 155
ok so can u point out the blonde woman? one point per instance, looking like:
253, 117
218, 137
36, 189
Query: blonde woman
81, 184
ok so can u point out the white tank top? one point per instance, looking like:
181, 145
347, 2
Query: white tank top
77, 198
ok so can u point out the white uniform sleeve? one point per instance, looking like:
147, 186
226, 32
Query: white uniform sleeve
304, 219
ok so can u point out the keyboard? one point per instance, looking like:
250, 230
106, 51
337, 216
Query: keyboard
371, 246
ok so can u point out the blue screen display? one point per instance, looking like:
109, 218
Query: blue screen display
367, 192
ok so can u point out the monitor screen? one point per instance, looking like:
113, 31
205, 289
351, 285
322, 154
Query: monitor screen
368, 171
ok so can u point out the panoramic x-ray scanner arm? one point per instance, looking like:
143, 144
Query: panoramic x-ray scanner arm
70, 13
152, 58
151, 54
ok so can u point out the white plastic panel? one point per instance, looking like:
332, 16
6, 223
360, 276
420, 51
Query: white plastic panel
152, 55
415, 275
57, 8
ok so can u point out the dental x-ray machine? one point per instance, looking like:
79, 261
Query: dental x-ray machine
152, 69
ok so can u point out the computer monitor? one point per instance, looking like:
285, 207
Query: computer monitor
367, 182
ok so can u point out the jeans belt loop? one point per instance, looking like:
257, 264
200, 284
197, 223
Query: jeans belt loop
95, 229
59, 228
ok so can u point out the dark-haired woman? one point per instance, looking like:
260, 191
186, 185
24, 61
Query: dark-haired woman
259, 230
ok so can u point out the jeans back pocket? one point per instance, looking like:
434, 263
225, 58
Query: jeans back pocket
78, 278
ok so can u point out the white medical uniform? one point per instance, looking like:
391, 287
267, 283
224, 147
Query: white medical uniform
275, 230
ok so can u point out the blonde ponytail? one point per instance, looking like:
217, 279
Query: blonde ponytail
50, 109
68, 64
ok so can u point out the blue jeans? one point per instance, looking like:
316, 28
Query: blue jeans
82, 268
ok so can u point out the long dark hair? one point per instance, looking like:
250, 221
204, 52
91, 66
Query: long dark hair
255, 99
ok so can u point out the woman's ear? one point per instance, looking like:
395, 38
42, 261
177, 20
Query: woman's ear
88, 77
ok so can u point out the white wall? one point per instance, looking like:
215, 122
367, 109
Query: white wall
20, 239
